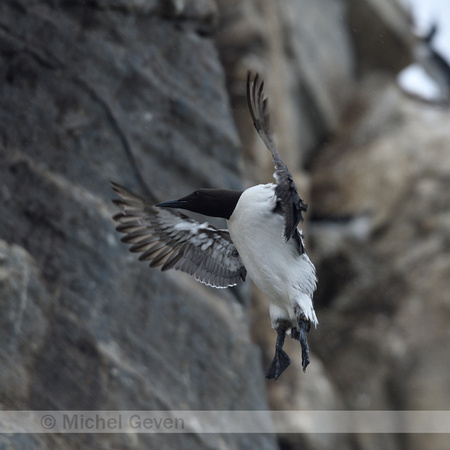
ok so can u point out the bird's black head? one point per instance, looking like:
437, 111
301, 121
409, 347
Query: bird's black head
209, 202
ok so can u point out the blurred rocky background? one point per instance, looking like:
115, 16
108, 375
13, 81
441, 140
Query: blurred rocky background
151, 94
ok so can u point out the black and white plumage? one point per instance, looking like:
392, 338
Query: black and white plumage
262, 239
436, 66
174, 241
286, 191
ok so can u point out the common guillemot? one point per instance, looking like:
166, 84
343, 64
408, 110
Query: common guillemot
262, 239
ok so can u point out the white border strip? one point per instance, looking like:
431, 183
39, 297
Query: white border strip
224, 422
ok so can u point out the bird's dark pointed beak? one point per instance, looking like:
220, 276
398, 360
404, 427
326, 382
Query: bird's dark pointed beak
173, 204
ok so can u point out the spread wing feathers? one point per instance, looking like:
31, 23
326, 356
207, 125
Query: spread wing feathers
288, 199
174, 241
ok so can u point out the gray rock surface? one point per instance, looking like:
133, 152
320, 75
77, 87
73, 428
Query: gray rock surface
92, 92
293, 44
383, 245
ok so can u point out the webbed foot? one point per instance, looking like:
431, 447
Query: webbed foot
281, 360
279, 364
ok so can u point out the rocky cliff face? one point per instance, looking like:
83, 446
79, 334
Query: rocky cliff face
152, 95
134, 93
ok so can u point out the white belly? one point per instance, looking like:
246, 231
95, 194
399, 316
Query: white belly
287, 278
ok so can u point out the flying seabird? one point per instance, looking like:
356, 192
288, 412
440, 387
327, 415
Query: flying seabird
262, 239
436, 66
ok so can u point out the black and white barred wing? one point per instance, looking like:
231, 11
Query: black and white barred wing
174, 241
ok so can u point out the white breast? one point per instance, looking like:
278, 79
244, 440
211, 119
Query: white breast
287, 278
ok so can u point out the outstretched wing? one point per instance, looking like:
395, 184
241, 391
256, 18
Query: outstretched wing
289, 202
174, 241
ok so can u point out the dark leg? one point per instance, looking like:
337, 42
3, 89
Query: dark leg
281, 360
295, 334
304, 326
